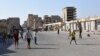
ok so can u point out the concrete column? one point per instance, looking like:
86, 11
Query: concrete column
74, 26
82, 23
87, 26
93, 25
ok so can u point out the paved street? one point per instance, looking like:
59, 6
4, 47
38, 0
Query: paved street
52, 44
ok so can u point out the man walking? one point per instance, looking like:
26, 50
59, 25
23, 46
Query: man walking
16, 38
58, 31
80, 30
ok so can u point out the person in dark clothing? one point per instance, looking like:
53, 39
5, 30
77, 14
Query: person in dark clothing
80, 33
58, 32
80, 30
4, 35
16, 38
35, 38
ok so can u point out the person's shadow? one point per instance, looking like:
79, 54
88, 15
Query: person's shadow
48, 44
89, 44
43, 48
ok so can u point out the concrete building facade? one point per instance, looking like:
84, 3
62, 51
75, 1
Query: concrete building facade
3, 25
52, 20
68, 14
34, 22
13, 23
55, 18
25, 24
8, 25
46, 19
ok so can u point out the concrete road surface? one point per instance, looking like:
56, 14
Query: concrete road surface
52, 44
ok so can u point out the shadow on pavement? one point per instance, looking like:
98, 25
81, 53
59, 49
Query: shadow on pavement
89, 44
6, 51
89, 38
3, 48
39, 48
4, 55
47, 44
43, 48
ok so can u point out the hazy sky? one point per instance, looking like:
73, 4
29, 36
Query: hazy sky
21, 8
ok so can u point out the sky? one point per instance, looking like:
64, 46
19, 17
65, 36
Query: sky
21, 8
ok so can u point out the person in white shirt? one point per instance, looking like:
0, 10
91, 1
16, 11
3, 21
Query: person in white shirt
28, 36
35, 38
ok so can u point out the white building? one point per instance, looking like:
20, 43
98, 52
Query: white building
88, 24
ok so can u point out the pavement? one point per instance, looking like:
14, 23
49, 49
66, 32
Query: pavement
52, 44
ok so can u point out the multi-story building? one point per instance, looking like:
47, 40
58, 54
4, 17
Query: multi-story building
10, 24
34, 21
30, 20
68, 14
25, 24
39, 22
50, 20
55, 18
47, 19
13, 23
3, 25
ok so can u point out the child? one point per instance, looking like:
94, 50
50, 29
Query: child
73, 37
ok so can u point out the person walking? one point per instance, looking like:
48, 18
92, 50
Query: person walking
35, 38
16, 38
73, 37
58, 32
21, 34
80, 30
80, 33
28, 36
69, 31
4, 35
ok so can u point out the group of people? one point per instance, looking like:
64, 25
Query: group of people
28, 37
5, 37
